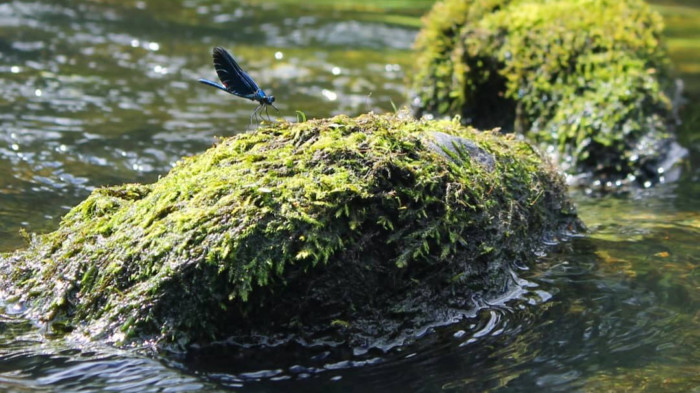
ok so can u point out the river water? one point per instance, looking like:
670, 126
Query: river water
102, 92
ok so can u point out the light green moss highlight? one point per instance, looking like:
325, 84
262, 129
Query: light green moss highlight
679, 378
584, 76
240, 234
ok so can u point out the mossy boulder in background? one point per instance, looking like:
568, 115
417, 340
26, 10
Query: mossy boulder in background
356, 229
584, 78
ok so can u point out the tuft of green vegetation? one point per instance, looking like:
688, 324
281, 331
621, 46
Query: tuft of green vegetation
586, 77
295, 227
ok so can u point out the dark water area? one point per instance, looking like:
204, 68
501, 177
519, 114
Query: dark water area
103, 92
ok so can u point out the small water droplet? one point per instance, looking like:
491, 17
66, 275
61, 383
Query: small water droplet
37, 92
15, 69
135, 43
336, 70
279, 55
154, 46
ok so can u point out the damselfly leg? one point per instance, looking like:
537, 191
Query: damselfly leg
254, 115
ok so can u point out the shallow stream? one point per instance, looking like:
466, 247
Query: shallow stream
102, 92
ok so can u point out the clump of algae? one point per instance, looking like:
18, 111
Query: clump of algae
586, 78
302, 227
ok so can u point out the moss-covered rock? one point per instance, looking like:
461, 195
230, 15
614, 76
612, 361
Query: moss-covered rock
342, 227
584, 77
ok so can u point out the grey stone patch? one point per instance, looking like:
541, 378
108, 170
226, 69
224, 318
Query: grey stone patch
442, 143
668, 167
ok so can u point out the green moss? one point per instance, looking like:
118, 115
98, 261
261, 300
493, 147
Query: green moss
294, 225
584, 76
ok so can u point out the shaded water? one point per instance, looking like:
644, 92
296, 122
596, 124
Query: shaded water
100, 92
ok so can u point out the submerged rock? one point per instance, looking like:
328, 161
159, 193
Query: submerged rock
354, 230
586, 79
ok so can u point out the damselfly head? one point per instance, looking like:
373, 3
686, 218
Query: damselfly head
270, 100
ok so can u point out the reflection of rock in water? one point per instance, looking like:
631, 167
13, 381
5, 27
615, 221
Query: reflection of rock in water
358, 232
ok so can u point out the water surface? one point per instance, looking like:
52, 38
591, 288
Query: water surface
100, 92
